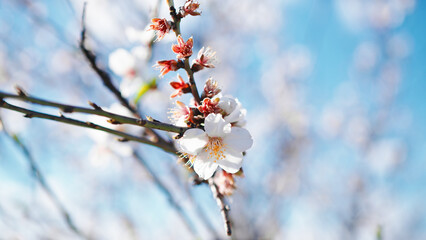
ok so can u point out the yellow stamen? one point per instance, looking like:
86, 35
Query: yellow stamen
215, 148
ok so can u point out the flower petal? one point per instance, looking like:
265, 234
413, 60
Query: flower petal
239, 139
193, 141
232, 162
203, 166
215, 126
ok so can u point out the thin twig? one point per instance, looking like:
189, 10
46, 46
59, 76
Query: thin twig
224, 208
117, 119
104, 76
163, 188
106, 79
38, 175
33, 114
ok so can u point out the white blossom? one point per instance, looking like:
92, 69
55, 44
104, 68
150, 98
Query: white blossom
234, 112
218, 145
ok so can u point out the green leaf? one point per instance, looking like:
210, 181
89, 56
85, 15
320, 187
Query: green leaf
145, 88
16, 138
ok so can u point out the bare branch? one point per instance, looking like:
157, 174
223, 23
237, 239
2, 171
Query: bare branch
103, 75
33, 114
118, 119
107, 81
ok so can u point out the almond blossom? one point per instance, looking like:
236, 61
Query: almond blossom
182, 49
190, 8
161, 27
180, 115
218, 145
205, 59
234, 113
211, 89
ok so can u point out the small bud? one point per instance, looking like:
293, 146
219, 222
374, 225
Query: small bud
113, 121
180, 86
95, 106
166, 66
21, 91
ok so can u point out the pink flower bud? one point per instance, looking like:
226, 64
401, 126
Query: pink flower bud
180, 86
166, 66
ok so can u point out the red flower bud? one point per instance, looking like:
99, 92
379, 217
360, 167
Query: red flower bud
180, 86
182, 49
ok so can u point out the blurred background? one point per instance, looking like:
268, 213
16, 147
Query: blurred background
335, 96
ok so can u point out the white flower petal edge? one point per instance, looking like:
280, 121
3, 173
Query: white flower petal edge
204, 167
193, 141
239, 139
232, 162
235, 113
216, 126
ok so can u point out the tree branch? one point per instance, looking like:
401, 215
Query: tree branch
33, 114
107, 81
117, 119
189, 72
103, 75
224, 208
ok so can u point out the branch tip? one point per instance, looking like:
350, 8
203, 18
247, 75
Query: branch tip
94, 105
21, 91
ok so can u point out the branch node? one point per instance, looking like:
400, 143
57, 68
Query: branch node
29, 115
179, 136
90, 124
95, 106
113, 121
122, 139
141, 122
21, 91
67, 109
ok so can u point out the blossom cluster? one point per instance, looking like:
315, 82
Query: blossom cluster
216, 136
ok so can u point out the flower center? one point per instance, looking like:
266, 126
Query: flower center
215, 148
